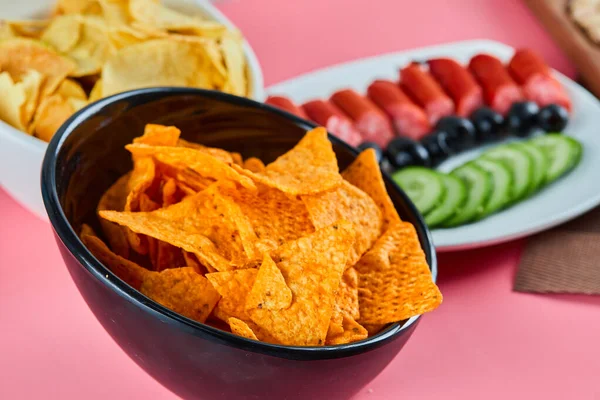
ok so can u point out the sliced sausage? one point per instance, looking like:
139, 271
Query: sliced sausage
535, 77
371, 122
285, 104
499, 90
421, 86
458, 82
409, 119
333, 119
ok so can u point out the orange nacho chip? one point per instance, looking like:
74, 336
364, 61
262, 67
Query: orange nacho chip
275, 217
312, 267
183, 291
348, 203
185, 158
254, 164
126, 270
159, 135
240, 328
221, 154
394, 279
207, 224
347, 298
114, 199
310, 167
352, 331
364, 173
233, 286
269, 290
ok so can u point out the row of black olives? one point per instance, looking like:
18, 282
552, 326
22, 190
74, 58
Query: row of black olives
454, 134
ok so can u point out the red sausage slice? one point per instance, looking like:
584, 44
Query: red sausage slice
333, 119
458, 83
536, 79
372, 123
285, 104
499, 89
408, 118
419, 84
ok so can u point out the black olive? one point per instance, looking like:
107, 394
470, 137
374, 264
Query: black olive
374, 146
553, 118
488, 124
521, 118
461, 132
436, 144
402, 152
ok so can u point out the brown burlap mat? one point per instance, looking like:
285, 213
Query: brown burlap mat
565, 259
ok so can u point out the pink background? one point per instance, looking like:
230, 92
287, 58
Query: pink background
484, 342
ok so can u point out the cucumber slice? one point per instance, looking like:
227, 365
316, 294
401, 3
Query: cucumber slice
521, 167
422, 185
563, 152
502, 185
456, 194
479, 187
540, 164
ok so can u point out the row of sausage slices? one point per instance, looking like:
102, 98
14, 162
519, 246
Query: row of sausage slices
428, 91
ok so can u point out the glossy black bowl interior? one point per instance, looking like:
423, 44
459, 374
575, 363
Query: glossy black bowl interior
195, 360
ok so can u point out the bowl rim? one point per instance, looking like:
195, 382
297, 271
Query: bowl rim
69, 238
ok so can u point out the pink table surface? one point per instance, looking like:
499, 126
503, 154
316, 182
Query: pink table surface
485, 341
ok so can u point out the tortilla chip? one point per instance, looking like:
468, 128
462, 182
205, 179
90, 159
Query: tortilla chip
220, 154
275, 217
269, 290
347, 298
374, 329
352, 332
309, 168
237, 158
19, 55
364, 173
349, 203
312, 267
126, 270
159, 135
183, 291
114, 199
254, 164
207, 224
240, 328
192, 261
394, 279
142, 177
233, 286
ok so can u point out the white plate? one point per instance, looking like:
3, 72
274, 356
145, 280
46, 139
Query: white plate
21, 155
570, 197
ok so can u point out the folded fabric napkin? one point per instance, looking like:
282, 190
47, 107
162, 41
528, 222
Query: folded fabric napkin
565, 259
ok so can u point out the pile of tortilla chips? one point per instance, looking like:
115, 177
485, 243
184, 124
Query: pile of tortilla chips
293, 252
89, 49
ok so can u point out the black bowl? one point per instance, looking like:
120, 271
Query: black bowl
192, 359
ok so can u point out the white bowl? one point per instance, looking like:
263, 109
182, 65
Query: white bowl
21, 155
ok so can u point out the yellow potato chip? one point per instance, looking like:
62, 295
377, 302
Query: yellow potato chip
364, 173
32, 28
96, 93
6, 31
312, 267
275, 217
233, 286
183, 291
63, 33
19, 99
352, 332
310, 167
241, 328
233, 55
77, 7
52, 112
394, 279
126, 270
269, 290
114, 199
18, 56
349, 203
254, 164
157, 62
115, 12
198, 161
71, 89
207, 224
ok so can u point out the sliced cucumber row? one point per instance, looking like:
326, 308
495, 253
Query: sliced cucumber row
497, 179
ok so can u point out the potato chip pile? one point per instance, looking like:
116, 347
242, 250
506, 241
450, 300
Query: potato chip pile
89, 49
293, 252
